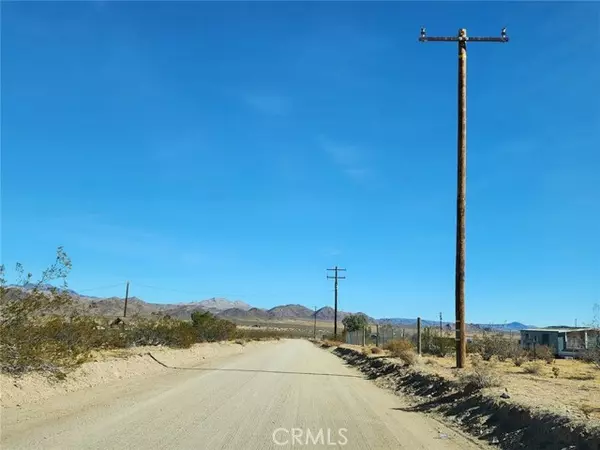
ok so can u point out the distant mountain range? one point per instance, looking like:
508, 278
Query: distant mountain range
113, 306
512, 326
235, 309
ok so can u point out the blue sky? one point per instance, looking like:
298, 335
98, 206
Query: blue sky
240, 149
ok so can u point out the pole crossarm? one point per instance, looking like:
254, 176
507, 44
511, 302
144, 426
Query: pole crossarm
462, 37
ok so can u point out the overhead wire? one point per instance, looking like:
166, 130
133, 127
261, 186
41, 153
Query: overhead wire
101, 287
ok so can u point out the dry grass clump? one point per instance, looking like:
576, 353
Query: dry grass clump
534, 368
481, 375
403, 349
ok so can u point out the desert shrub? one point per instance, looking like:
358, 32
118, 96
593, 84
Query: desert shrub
398, 345
520, 359
481, 375
32, 326
555, 371
544, 353
434, 344
376, 350
263, 334
592, 355
329, 343
165, 331
534, 368
495, 345
341, 337
210, 328
403, 349
479, 378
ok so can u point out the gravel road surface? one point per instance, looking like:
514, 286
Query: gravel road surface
288, 394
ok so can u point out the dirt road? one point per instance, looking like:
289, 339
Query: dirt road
289, 394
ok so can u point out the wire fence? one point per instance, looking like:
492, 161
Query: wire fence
378, 335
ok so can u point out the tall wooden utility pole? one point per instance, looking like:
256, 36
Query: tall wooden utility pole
335, 277
315, 328
126, 298
459, 282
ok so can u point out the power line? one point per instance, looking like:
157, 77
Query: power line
166, 289
100, 288
461, 39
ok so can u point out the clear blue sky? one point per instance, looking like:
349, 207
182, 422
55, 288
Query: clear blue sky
240, 149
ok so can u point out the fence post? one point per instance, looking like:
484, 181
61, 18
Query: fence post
377, 339
419, 336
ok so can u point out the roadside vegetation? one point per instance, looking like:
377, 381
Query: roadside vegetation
42, 329
403, 349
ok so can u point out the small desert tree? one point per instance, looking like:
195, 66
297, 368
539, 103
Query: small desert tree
355, 322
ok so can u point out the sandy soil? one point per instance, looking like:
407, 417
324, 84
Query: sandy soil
111, 366
253, 400
574, 393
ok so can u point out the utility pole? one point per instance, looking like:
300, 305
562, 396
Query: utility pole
315, 328
459, 289
126, 298
335, 277
441, 329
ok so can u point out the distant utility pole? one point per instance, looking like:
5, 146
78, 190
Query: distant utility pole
462, 39
126, 298
335, 277
315, 329
419, 336
441, 330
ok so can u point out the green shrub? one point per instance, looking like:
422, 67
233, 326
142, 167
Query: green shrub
210, 328
164, 331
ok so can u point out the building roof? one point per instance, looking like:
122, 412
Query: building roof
559, 330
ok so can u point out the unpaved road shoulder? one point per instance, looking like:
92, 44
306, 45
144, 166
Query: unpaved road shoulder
253, 400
